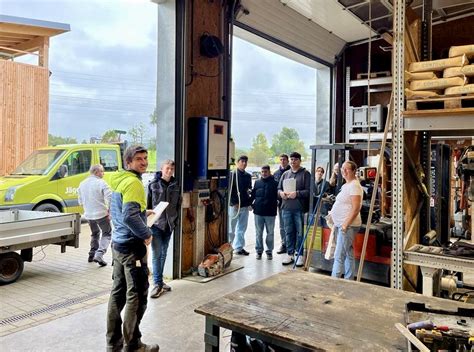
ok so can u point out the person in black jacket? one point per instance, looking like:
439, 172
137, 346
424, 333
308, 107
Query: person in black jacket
265, 201
284, 166
321, 188
163, 188
240, 201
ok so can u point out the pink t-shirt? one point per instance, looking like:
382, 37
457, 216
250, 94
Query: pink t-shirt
343, 205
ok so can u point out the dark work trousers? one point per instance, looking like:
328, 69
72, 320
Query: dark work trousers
129, 290
99, 244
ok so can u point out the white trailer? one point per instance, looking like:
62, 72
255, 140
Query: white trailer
22, 230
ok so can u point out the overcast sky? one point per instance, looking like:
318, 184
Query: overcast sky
104, 73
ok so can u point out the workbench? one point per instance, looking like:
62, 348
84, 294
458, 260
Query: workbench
431, 261
303, 311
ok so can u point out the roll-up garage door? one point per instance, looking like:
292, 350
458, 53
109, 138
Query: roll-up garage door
273, 19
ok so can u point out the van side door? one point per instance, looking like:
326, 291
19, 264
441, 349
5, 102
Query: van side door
78, 163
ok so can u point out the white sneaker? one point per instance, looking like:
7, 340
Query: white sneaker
287, 260
300, 261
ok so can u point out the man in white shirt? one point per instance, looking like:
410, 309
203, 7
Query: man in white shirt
95, 196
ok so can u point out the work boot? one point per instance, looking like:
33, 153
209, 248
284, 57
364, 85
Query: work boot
157, 291
242, 252
142, 347
288, 260
147, 348
100, 261
281, 250
90, 259
300, 261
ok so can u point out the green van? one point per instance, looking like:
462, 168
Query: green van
48, 179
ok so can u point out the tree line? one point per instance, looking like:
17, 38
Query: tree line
261, 152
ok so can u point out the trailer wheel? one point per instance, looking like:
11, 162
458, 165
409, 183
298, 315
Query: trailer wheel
47, 207
11, 267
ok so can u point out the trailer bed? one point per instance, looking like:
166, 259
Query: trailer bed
20, 229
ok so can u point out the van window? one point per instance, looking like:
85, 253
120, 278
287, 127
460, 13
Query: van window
78, 162
109, 160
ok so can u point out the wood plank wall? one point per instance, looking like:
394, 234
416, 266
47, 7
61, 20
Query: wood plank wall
24, 92
203, 93
411, 195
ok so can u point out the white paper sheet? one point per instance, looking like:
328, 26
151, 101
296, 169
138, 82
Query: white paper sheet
289, 185
158, 210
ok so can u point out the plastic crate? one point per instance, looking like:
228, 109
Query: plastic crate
359, 118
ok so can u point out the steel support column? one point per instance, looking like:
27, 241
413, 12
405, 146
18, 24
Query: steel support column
397, 135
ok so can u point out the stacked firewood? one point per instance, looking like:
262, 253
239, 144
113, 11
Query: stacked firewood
451, 76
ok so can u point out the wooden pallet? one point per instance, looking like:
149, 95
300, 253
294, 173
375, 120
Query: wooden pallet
374, 74
441, 103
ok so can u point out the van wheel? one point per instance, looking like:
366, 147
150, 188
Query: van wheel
47, 207
11, 267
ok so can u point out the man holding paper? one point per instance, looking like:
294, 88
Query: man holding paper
130, 237
162, 190
294, 191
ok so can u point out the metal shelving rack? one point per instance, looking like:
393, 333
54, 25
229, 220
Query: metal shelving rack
384, 82
448, 123
397, 143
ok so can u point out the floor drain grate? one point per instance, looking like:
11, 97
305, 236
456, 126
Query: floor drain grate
53, 307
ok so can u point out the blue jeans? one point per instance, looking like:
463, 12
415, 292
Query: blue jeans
159, 246
293, 220
344, 253
237, 227
269, 223
282, 228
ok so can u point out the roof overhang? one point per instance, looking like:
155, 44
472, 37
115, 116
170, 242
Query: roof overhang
19, 36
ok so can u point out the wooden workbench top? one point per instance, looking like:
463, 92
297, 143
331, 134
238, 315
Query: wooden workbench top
319, 312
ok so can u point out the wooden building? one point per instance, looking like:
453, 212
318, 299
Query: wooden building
24, 88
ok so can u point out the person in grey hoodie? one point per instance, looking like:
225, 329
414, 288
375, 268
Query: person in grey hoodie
294, 205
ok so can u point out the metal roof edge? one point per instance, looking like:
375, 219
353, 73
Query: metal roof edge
64, 27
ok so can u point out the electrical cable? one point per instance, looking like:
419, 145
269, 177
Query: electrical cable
42, 251
461, 295
217, 205
237, 189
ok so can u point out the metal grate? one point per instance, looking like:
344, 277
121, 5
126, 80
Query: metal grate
53, 307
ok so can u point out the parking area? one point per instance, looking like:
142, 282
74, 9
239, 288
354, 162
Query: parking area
53, 285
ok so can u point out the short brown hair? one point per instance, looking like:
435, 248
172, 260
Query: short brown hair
283, 155
320, 168
131, 151
266, 167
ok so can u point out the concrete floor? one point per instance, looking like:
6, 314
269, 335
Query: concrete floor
169, 320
